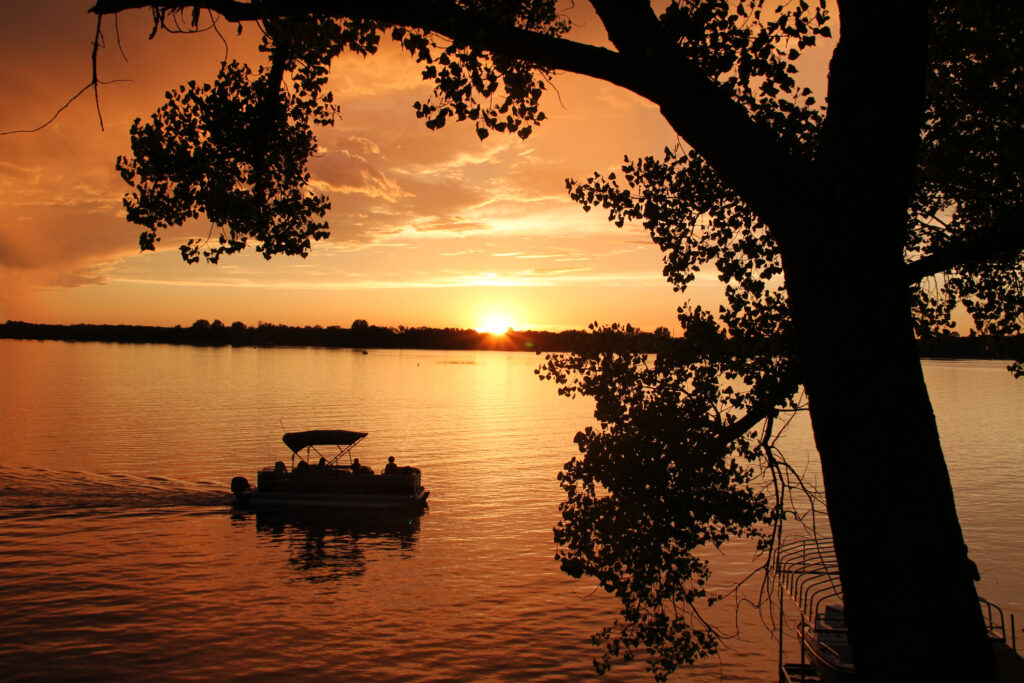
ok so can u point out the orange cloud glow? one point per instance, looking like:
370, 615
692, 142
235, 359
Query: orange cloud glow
428, 228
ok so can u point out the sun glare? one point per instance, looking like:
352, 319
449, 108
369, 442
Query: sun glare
495, 324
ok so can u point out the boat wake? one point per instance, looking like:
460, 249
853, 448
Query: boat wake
27, 490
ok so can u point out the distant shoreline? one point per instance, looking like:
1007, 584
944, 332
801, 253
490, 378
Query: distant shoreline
365, 336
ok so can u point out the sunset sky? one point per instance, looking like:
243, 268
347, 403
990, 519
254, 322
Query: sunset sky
428, 228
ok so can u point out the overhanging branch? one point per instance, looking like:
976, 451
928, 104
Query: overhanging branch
435, 16
746, 154
992, 246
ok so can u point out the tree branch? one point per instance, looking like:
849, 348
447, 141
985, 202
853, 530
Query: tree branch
747, 155
756, 413
994, 245
632, 26
435, 16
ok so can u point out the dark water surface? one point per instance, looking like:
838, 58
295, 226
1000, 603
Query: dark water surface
121, 558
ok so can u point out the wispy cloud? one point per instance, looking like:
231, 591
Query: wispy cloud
343, 172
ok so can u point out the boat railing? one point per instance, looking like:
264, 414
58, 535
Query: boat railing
824, 644
995, 623
823, 654
807, 571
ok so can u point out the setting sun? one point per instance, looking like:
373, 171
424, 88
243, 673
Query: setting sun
495, 324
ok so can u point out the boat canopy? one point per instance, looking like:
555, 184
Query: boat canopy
321, 437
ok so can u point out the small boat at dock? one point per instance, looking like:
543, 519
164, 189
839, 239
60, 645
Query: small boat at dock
331, 481
808, 571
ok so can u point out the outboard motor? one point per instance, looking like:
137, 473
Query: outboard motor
239, 485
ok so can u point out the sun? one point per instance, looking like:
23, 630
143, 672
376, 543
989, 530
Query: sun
495, 324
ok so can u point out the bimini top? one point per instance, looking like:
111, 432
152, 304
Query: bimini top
321, 437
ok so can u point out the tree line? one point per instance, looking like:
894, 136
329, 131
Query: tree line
362, 335
359, 336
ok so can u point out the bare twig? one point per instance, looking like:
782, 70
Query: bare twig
96, 41
213, 23
52, 118
94, 84
117, 36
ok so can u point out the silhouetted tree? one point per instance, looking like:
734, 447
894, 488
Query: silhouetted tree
834, 246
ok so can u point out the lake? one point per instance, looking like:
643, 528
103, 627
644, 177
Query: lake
121, 557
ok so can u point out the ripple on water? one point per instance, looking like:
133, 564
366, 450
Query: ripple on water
55, 492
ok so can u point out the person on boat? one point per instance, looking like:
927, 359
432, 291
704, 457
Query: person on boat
280, 468
391, 467
323, 462
359, 469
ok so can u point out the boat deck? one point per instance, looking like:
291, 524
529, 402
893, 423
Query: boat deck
799, 673
1009, 664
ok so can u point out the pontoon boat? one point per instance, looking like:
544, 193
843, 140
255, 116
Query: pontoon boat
329, 482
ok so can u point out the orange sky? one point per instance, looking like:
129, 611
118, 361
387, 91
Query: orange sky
428, 228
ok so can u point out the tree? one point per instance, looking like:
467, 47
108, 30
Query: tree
840, 233
973, 116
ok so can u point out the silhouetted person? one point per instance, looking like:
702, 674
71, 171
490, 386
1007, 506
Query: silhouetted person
359, 469
302, 465
280, 468
391, 467
322, 463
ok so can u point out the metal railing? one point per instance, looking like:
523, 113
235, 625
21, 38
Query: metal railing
807, 569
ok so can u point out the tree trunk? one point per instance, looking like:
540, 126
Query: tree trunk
911, 605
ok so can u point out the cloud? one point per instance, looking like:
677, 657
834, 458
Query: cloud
343, 172
60, 238
391, 70
358, 146
559, 256
22, 174
463, 161
93, 275
455, 225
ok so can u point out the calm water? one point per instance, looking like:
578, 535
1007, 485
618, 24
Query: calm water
120, 557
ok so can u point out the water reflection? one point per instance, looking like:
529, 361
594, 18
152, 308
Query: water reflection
332, 547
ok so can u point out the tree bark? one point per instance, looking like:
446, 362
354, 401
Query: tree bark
911, 605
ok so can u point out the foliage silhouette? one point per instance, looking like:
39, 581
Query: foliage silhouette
841, 234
